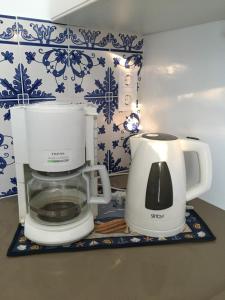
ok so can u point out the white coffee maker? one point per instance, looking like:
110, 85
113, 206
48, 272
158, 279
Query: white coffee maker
54, 147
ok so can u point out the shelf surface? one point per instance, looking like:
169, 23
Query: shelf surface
144, 16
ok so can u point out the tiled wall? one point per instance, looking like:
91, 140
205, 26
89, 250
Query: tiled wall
42, 61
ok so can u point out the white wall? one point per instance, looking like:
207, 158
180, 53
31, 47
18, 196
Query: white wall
41, 9
183, 91
25, 8
58, 8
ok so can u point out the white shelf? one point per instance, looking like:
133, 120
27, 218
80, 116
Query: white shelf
140, 16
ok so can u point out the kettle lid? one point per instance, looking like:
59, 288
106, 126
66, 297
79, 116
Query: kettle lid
159, 136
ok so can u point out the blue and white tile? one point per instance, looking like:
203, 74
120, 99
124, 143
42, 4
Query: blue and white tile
120, 140
80, 37
113, 143
8, 30
104, 94
44, 56
7, 160
7, 166
128, 63
86, 68
125, 42
32, 32
10, 89
47, 69
123, 60
90, 73
109, 137
102, 139
121, 127
10, 79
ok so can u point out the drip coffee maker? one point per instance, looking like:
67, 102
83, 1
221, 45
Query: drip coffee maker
54, 146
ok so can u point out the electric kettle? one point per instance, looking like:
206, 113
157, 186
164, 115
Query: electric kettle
156, 190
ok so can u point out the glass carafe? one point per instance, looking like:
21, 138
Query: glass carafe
57, 198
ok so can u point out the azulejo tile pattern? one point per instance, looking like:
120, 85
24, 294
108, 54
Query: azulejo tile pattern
43, 61
96, 39
56, 61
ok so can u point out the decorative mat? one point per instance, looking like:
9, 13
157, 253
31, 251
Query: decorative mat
111, 232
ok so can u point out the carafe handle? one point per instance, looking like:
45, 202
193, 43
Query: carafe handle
105, 184
205, 166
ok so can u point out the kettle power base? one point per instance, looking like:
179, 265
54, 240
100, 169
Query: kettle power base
105, 237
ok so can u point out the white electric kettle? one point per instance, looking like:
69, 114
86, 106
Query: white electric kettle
156, 191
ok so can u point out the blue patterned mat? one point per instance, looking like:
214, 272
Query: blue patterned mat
196, 230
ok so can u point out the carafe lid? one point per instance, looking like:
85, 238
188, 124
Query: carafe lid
159, 136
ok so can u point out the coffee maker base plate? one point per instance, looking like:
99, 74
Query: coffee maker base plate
60, 234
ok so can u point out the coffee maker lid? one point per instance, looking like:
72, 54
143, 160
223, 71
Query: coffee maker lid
159, 136
54, 106
55, 176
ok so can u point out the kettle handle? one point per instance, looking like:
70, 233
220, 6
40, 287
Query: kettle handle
205, 166
105, 184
